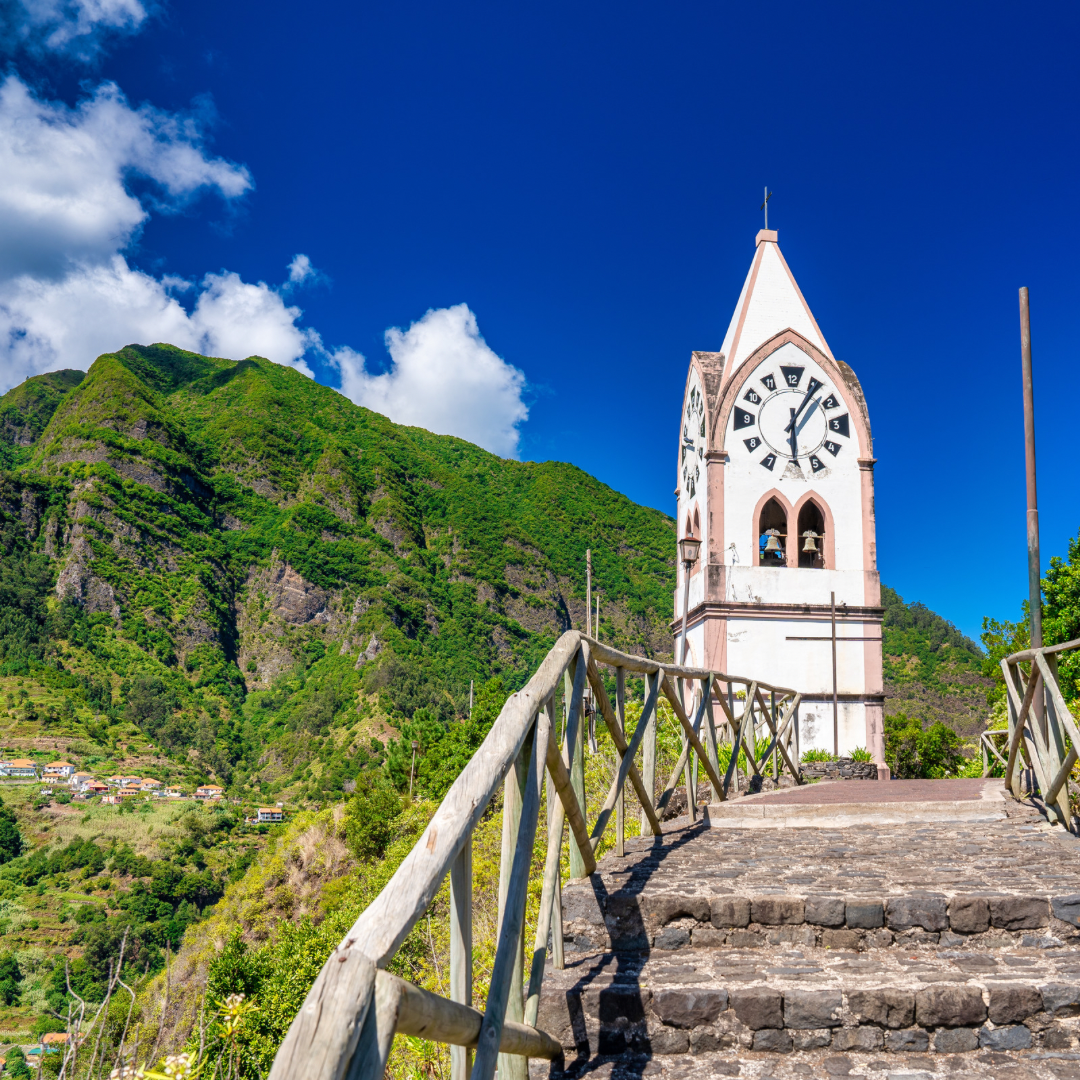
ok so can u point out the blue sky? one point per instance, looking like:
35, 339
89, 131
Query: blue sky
585, 180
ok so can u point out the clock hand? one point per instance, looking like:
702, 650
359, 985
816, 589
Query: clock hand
793, 438
811, 390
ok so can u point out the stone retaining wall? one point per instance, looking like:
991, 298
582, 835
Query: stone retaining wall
842, 769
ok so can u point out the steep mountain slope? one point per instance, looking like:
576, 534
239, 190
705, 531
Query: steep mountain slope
263, 573
932, 671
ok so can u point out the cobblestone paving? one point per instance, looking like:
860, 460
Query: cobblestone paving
877, 951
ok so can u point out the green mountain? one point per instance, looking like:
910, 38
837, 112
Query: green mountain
932, 671
239, 566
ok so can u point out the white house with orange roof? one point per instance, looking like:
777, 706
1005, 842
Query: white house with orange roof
58, 770
22, 768
209, 791
776, 480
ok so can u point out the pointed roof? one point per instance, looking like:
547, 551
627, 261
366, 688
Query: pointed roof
770, 303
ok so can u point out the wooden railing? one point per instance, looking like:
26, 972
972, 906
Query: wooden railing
346, 1026
1042, 732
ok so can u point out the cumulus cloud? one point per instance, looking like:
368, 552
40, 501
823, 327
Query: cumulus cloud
68, 292
64, 199
443, 377
67, 214
76, 29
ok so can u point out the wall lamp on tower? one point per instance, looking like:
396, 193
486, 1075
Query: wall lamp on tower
688, 552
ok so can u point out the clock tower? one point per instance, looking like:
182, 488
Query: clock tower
776, 479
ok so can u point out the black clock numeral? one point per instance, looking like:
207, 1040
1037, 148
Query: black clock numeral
814, 386
832, 447
752, 396
816, 463
744, 419
839, 424
831, 403
792, 375
752, 444
769, 460
701, 428
770, 381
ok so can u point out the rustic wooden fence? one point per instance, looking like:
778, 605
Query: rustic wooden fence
1042, 732
346, 1026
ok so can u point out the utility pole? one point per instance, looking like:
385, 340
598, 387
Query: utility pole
1034, 569
470, 698
412, 767
588, 592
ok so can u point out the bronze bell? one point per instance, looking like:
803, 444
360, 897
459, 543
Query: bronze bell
772, 544
810, 543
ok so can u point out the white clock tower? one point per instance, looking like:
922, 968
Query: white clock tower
776, 478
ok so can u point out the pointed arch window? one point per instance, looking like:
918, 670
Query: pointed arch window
772, 535
810, 533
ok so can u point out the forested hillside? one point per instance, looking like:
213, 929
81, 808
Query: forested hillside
932, 671
240, 565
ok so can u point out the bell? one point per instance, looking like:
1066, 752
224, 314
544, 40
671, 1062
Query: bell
772, 544
810, 544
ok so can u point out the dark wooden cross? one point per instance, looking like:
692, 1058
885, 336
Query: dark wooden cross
765, 205
835, 701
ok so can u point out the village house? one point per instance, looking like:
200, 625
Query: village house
171, 793
58, 770
148, 783
128, 792
79, 780
209, 791
20, 767
269, 814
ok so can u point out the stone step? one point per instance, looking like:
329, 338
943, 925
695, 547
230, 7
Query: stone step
913, 950
916, 999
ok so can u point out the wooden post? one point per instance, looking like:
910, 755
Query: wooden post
620, 714
648, 755
505, 1000
461, 948
776, 752
512, 1067
710, 732
575, 734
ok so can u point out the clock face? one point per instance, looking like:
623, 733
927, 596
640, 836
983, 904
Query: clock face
788, 414
692, 447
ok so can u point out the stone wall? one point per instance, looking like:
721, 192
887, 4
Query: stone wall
842, 769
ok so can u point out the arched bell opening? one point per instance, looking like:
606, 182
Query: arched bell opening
772, 535
810, 534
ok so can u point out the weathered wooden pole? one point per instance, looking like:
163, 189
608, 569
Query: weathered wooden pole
512, 1067
620, 713
461, 948
1034, 566
1034, 569
648, 753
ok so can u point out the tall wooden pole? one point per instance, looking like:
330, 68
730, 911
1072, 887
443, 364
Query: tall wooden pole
1034, 570
835, 702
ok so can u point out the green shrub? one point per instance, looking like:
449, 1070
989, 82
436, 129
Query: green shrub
912, 753
11, 841
860, 753
809, 757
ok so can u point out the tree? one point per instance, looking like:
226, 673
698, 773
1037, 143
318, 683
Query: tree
11, 841
913, 754
371, 814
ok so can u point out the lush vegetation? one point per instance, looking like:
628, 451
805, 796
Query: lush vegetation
913, 751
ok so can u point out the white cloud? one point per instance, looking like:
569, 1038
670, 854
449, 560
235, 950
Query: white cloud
443, 377
73, 28
64, 200
67, 293
47, 324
